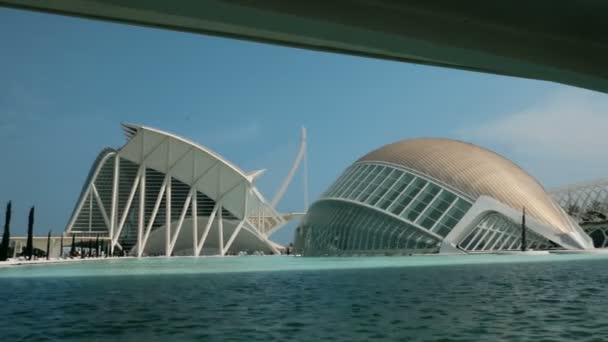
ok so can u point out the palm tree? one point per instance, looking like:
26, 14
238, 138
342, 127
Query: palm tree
30, 235
7, 233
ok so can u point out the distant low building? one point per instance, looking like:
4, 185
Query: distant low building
434, 196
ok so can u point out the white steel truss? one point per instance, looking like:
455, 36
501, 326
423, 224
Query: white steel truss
158, 185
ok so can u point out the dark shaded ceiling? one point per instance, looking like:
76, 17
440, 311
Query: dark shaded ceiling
553, 40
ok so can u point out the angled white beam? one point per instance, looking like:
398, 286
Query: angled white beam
207, 228
180, 223
100, 205
294, 167
239, 226
77, 212
233, 236
87, 193
159, 199
127, 207
114, 210
260, 236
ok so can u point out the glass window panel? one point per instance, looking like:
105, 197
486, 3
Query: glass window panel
443, 230
407, 196
427, 223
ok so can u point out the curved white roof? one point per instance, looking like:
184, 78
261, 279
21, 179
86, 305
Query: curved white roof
475, 171
200, 167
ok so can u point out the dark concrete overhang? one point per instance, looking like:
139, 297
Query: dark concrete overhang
553, 40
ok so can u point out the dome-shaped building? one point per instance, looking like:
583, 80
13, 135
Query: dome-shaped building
434, 196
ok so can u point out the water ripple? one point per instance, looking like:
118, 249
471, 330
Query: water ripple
500, 302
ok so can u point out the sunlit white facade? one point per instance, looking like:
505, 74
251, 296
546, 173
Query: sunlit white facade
434, 196
161, 194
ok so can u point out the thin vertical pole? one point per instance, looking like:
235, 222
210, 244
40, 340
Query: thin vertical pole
194, 206
220, 227
194, 222
523, 231
114, 211
168, 203
142, 212
305, 167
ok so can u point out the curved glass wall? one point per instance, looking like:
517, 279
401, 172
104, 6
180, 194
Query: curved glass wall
413, 198
496, 232
371, 196
335, 227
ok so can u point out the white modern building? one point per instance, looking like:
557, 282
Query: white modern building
434, 196
161, 194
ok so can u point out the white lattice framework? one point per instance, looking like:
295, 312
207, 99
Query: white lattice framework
587, 203
577, 198
161, 183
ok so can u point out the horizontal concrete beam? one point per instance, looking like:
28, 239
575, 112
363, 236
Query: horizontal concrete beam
554, 40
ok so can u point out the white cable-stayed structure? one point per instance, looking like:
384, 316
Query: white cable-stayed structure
161, 194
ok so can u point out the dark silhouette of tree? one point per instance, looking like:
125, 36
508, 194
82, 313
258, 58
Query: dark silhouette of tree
29, 247
48, 246
6, 237
61, 247
73, 249
573, 210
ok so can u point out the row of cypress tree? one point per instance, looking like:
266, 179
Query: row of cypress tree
29, 248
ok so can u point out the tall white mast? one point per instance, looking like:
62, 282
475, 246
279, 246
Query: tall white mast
301, 155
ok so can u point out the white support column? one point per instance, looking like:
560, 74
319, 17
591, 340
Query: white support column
220, 228
127, 208
114, 210
220, 222
194, 221
180, 223
194, 209
168, 216
142, 210
168, 203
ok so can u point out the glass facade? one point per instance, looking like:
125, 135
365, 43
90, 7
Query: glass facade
342, 228
496, 232
412, 209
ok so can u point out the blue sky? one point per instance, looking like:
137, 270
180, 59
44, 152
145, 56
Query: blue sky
67, 84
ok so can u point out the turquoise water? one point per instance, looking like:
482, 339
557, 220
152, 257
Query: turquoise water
451, 298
